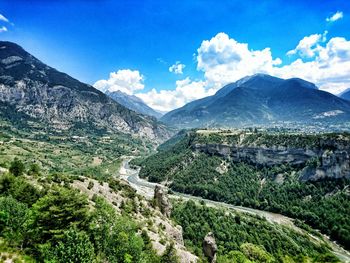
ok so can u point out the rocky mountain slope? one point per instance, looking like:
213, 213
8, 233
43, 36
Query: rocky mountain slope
133, 103
262, 100
33, 91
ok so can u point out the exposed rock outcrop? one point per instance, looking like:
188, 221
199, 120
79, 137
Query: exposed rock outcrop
163, 229
161, 200
210, 247
331, 157
33, 91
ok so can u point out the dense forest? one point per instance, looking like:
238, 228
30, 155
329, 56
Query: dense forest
243, 238
323, 204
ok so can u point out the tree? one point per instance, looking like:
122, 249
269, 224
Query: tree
74, 247
56, 212
17, 168
34, 169
256, 253
233, 257
169, 255
13, 217
116, 236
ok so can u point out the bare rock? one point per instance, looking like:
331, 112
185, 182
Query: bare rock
162, 201
210, 247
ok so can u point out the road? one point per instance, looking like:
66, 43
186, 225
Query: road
146, 189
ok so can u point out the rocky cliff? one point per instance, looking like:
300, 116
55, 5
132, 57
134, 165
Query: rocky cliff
321, 158
35, 91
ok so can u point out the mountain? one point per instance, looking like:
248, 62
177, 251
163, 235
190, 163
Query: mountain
345, 94
32, 91
261, 100
133, 103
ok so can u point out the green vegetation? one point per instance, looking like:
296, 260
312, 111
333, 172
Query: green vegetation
58, 224
253, 137
324, 204
244, 238
72, 152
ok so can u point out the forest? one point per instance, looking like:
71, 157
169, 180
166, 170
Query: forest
245, 238
323, 204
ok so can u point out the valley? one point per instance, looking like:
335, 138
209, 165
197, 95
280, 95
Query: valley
146, 189
206, 165
262, 184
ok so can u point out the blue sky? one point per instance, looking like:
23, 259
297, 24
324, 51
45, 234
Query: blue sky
89, 39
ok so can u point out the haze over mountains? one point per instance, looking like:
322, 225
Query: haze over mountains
31, 90
261, 100
133, 103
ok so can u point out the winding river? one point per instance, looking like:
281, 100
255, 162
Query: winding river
146, 189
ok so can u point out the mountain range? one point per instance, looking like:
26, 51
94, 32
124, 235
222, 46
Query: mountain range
261, 100
133, 103
32, 91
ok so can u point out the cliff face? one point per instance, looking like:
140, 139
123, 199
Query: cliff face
56, 100
327, 159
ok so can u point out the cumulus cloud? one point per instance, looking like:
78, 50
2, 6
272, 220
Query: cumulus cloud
125, 80
3, 18
186, 91
3, 29
336, 16
329, 68
177, 68
224, 60
309, 45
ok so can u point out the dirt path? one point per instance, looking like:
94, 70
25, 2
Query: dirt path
146, 189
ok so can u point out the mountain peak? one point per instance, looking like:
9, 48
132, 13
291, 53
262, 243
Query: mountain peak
56, 100
263, 100
10, 49
133, 103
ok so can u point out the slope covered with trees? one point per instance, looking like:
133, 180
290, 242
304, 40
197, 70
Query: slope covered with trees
244, 238
323, 204
45, 219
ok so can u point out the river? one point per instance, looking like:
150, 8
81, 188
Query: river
146, 189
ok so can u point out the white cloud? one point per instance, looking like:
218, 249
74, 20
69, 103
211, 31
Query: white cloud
224, 60
177, 68
125, 80
3, 18
186, 91
336, 16
329, 69
3, 29
309, 45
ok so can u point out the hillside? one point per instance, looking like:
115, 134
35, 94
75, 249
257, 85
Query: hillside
289, 173
61, 218
262, 100
31, 91
133, 103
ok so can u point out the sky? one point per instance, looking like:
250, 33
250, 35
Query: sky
169, 53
